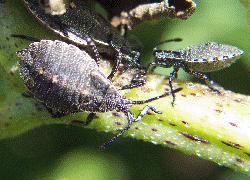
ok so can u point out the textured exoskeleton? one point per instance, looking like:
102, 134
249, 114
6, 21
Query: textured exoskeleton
68, 80
197, 60
80, 20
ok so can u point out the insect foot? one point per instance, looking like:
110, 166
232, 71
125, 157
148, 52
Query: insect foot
197, 60
145, 110
67, 80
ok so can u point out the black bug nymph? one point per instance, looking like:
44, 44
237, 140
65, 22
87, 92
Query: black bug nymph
198, 60
68, 80
81, 22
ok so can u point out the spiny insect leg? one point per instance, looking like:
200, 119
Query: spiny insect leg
137, 81
117, 61
91, 43
25, 37
145, 112
55, 114
134, 84
27, 94
211, 84
172, 76
88, 120
135, 60
131, 119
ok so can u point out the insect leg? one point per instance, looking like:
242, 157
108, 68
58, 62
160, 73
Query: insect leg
134, 84
172, 76
131, 119
91, 43
169, 40
27, 94
25, 37
55, 114
117, 62
137, 81
84, 123
145, 111
156, 48
211, 84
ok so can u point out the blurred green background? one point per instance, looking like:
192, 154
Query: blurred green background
65, 152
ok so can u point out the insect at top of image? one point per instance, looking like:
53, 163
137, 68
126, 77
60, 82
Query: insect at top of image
80, 21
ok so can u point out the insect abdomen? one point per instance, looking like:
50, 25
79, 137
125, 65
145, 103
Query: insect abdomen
60, 75
210, 56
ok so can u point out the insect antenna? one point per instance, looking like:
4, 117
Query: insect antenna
157, 97
156, 48
169, 40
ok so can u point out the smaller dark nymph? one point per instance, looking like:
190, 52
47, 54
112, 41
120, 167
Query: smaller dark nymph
198, 60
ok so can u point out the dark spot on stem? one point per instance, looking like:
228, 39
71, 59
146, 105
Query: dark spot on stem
150, 113
183, 95
247, 153
136, 128
170, 142
153, 129
233, 124
184, 122
231, 144
238, 100
118, 123
192, 94
116, 114
195, 138
172, 124
239, 160
218, 110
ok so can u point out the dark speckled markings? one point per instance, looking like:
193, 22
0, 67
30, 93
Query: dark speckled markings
197, 60
68, 80
195, 138
232, 144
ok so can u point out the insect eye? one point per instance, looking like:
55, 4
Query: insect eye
225, 57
